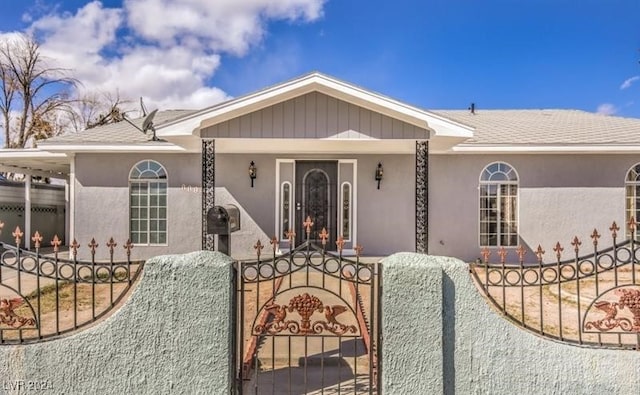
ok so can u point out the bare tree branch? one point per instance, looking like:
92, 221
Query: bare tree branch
40, 90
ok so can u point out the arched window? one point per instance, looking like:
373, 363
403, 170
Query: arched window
498, 205
148, 203
632, 187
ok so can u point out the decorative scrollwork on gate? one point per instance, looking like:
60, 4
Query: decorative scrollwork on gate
628, 299
305, 305
10, 319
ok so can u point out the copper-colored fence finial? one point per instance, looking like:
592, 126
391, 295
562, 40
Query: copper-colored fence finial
539, 253
93, 245
340, 243
18, 235
521, 251
632, 225
576, 243
37, 239
358, 248
74, 247
308, 223
274, 244
128, 246
614, 228
486, 253
502, 252
291, 235
324, 235
595, 236
258, 247
56, 243
558, 250
111, 244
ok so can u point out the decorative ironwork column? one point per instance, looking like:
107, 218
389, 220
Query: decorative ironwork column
422, 196
208, 188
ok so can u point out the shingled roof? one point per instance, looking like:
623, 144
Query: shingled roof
491, 127
545, 127
116, 133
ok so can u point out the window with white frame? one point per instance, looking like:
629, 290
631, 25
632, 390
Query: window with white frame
148, 203
632, 187
498, 206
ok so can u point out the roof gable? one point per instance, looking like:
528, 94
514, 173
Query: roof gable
314, 82
315, 116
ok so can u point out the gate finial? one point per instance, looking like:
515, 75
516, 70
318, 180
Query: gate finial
576, 243
614, 229
340, 243
324, 235
558, 250
539, 253
274, 243
17, 234
308, 223
595, 236
56, 243
37, 239
258, 247
291, 235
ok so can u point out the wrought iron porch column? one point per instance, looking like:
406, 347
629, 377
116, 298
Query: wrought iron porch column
422, 196
208, 188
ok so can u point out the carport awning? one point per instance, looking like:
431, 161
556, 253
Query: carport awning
35, 162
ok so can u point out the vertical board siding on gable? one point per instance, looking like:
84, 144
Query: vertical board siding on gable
314, 115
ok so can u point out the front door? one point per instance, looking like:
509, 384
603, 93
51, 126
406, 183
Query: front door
316, 195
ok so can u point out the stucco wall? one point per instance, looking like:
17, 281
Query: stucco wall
560, 196
173, 336
102, 202
385, 217
450, 341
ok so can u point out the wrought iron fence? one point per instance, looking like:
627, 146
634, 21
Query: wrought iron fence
45, 295
591, 299
307, 320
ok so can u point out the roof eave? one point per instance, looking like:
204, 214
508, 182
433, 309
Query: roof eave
546, 148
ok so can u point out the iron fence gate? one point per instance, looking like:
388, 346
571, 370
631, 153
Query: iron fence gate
307, 321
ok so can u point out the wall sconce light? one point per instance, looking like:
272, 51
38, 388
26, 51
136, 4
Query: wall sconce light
379, 172
253, 172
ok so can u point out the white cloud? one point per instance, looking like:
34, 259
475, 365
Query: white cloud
607, 109
629, 81
222, 25
163, 50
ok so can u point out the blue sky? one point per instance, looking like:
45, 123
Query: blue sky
433, 54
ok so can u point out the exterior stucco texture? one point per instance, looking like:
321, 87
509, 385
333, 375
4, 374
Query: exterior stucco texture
482, 353
173, 335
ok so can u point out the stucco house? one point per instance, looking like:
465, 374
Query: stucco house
378, 172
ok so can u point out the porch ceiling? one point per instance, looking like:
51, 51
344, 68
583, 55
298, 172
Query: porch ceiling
35, 162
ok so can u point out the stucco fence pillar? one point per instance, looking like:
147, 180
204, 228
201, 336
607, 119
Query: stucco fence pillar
440, 336
172, 336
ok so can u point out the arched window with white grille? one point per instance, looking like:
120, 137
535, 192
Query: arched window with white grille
498, 206
148, 203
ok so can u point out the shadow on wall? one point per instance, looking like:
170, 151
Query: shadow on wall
242, 241
448, 335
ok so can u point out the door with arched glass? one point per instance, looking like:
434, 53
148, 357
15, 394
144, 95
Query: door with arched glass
316, 198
